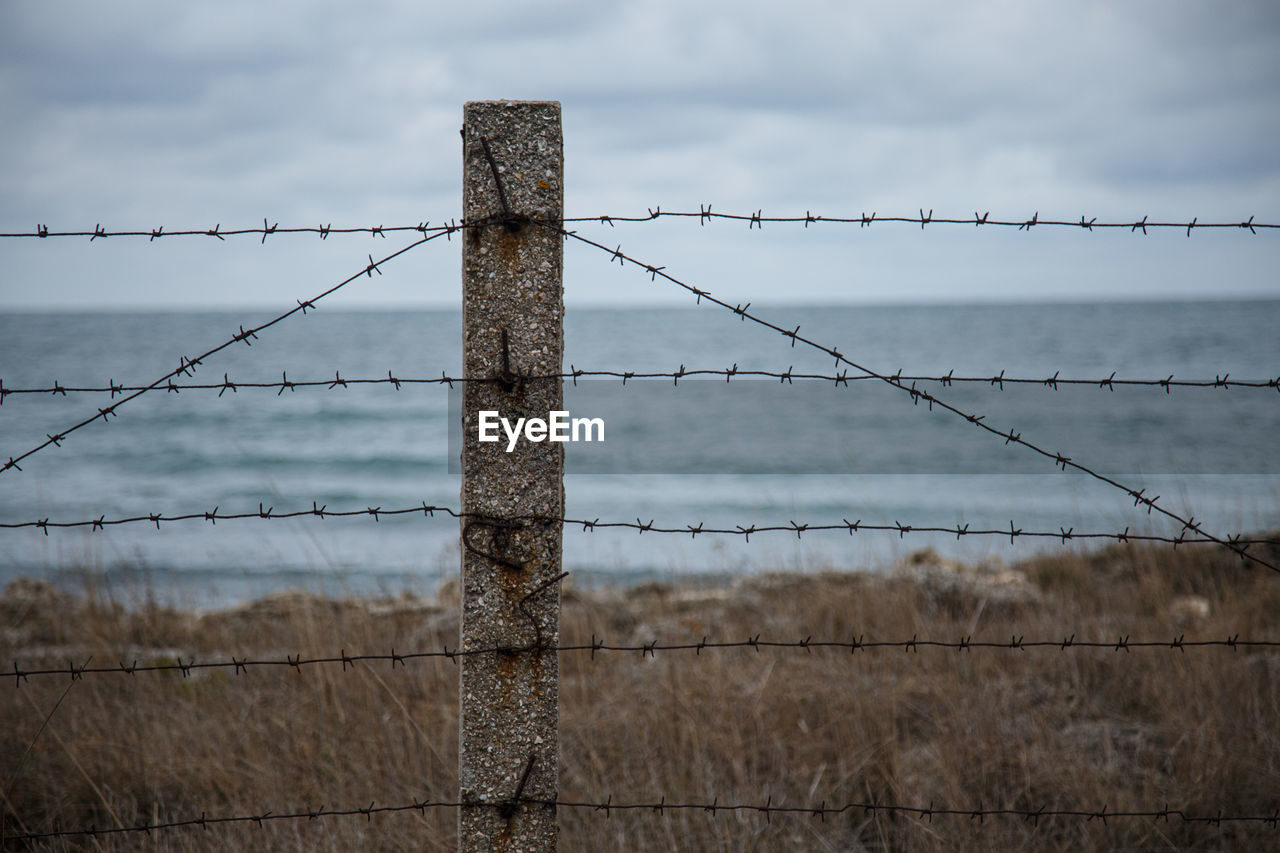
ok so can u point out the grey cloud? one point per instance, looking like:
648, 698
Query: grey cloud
137, 113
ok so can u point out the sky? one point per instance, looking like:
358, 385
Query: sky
137, 115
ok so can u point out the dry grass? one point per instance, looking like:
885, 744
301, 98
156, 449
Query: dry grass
1194, 730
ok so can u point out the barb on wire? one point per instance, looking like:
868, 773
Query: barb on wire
853, 645
667, 804
998, 381
187, 366
1140, 498
590, 525
755, 219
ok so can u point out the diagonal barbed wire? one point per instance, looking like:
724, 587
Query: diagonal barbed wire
1063, 534
187, 366
790, 375
917, 395
667, 804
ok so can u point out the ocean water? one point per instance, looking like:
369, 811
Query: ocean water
757, 453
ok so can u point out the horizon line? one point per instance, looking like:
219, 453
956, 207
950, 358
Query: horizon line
591, 305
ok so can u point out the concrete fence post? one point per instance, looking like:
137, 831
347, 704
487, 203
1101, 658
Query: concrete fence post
512, 313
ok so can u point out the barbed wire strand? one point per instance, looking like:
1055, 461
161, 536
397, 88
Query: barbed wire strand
756, 220
1139, 495
790, 375
704, 215
598, 645
42, 231
187, 366
1063, 534
664, 805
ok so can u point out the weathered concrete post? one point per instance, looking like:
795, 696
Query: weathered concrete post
512, 312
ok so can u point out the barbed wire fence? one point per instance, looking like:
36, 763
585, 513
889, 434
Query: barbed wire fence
175, 381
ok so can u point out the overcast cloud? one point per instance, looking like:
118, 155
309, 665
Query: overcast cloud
141, 114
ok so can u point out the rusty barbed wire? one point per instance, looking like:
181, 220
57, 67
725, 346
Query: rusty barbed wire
663, 805
1063, 534
756, 220
790, 375
42, 231
187, 366
598, 645
1140, 498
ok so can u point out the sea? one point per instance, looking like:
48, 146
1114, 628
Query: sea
698, 450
